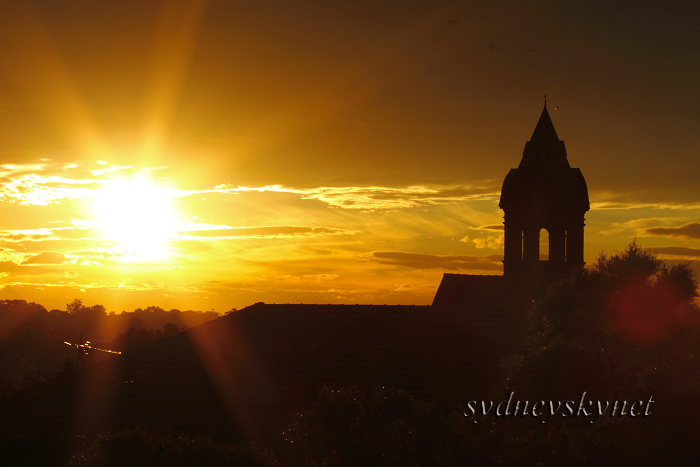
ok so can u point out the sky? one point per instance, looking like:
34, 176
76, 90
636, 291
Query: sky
212, 154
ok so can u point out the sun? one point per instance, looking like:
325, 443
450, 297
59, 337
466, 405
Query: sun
137, 214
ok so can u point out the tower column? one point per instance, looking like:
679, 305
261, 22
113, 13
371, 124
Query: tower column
531, 246
512, 246
557, 247
574, 242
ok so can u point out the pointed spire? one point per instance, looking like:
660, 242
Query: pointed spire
544, 131
544, 150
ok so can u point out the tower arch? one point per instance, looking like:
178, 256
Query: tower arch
544, 245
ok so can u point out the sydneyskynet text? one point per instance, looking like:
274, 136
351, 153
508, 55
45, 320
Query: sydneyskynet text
583, 408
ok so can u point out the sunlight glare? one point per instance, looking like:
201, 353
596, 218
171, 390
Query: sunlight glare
139, 215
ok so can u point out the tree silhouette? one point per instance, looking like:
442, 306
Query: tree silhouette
32, 338
627, 329
140, 447
385, 426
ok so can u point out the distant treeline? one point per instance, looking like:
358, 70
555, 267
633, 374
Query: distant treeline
32, 338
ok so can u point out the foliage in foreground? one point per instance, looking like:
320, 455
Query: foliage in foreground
32, 339
385, 426
610, 329
139, 447
627, 329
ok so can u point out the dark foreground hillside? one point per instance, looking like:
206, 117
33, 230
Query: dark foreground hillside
240, 377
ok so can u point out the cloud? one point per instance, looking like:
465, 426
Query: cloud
122, 286
490, 227
110, 169
689, 231
10, 257
100, 254
495, 243
378, 198
425, 261
50, 183
59, 233
276, 231
23, 236
676, 251
637, 226
404, 288
321, 277
38, 184
228, 188
307, 277
47, 257
75, 233
375, 197
626, 206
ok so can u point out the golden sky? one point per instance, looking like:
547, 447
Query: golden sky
212, 154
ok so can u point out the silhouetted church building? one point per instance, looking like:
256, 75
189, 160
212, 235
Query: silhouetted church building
543, 193
543, 199
248, 370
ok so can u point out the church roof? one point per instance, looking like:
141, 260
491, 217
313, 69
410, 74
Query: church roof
461, 289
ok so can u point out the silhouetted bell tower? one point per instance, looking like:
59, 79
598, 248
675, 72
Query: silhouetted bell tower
544, 202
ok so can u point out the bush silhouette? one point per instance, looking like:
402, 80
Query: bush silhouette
626, 329
139, 447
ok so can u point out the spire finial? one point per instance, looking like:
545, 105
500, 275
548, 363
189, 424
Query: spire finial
545, 101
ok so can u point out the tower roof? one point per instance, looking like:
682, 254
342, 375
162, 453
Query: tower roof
545, 151
544, 131
545, 166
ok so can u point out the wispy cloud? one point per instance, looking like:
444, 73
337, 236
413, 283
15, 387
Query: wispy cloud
689, 231
25, 235
43, 184
47, 257
404, 288
275, 231
122, 286
307, 277
58, 233
637, 227
490, 227
425, 261
48, 183
110, 169
38, 190
376, 198
494, 243
11, 258
98, 253
625, 206
229, 188
676, 251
